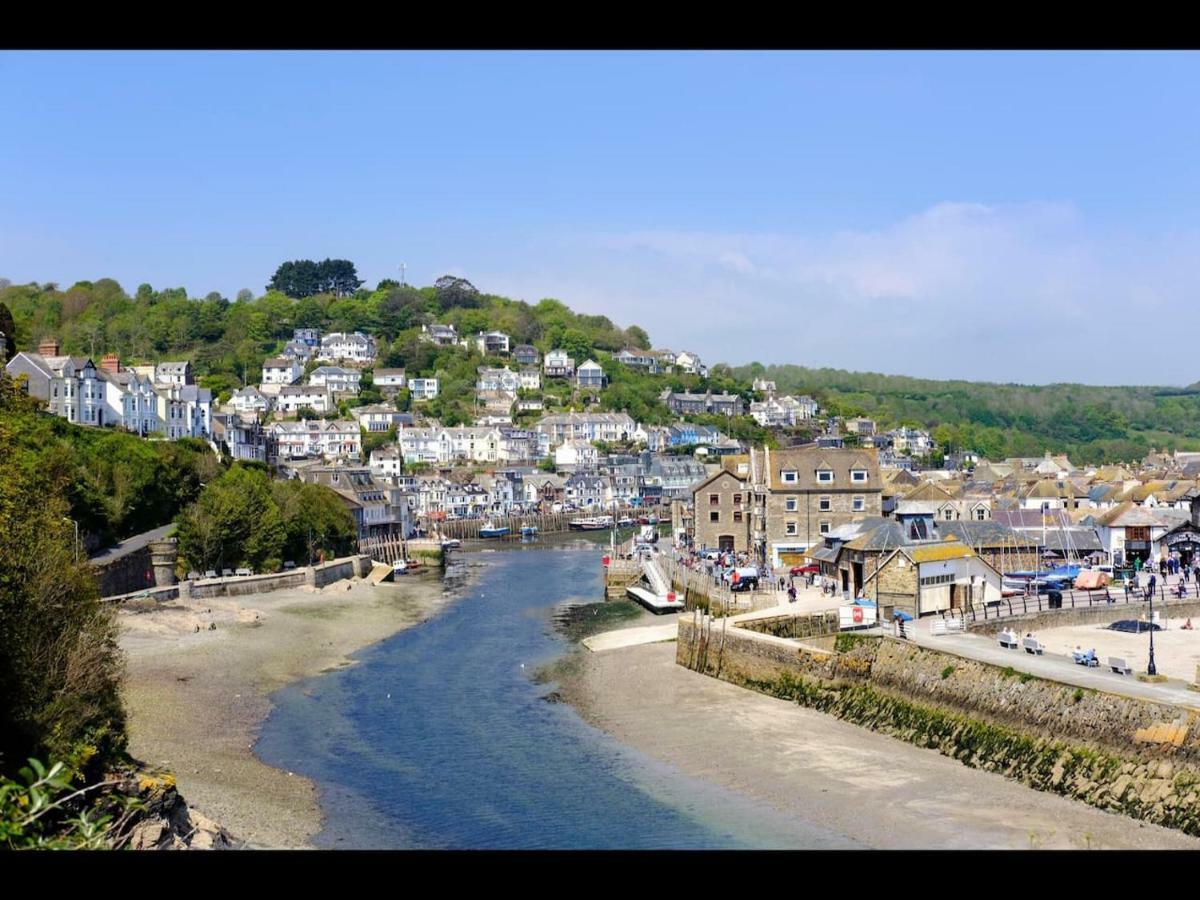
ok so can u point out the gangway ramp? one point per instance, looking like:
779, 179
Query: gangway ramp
658, 603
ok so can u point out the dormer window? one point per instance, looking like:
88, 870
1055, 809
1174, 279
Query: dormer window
790, 477
825, 476
859, 475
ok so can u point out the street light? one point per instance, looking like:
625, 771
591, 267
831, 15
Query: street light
76, 524
1150, 669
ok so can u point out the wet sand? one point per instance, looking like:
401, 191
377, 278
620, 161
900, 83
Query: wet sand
196, 699
870, 787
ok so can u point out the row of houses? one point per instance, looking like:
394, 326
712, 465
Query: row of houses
147, 400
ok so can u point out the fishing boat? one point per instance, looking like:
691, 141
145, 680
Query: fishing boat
399, 567
528, 531
491, 530
593, 523
624, 522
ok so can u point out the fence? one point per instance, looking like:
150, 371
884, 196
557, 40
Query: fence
1026, 604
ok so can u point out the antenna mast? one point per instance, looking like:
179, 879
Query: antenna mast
403, 269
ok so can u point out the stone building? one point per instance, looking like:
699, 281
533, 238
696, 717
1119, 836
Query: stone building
811, 490
722, 505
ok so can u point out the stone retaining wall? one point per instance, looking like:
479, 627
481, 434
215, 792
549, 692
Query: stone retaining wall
313, 576
1114, 752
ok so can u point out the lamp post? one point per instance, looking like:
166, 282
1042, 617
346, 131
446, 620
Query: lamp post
1150, 669
76, 524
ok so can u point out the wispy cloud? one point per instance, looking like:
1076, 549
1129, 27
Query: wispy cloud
1022, 292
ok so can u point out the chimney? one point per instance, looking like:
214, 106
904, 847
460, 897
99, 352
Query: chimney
48, 347
111, 362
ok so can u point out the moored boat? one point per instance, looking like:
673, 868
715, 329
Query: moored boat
529, 530
490, 530
592, 523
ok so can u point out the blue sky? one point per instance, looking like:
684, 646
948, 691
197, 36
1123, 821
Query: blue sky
1006, 216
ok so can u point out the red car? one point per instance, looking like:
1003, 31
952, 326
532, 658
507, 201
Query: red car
805, 570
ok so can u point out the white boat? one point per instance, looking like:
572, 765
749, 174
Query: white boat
399, 567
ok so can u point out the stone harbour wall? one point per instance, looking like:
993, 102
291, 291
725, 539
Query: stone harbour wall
1117, 753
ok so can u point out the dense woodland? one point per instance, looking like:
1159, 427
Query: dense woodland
227, 342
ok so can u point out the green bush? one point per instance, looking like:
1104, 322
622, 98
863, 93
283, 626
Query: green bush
947, 672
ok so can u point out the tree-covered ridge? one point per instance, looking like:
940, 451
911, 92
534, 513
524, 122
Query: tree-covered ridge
228, 341
1089, 423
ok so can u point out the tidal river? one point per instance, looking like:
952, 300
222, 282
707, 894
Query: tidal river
440, 737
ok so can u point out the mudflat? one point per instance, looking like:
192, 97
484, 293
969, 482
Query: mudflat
196, 697
868, 786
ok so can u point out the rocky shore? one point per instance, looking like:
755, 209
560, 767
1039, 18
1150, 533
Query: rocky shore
199, 679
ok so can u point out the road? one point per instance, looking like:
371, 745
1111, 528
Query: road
129, 545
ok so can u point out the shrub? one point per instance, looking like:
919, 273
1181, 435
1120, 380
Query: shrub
947, 672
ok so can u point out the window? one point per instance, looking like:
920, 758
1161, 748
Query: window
980, 514
737, 499
825, 476
714, 516
737, 515
859, 504
790, 528
825, 504
928, 580
947, 514
788, 477
790, 504
714, 499
824, 528
858, 475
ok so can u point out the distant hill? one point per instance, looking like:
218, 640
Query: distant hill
227, 342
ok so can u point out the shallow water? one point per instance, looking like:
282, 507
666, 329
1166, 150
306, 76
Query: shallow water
439, 737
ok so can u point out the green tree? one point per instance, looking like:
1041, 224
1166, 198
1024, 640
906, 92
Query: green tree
315, 520
235, 523
60, 666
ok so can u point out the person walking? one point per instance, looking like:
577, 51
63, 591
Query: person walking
1153, 581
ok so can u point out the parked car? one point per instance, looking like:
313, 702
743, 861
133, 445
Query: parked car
227, 573
289, 565
805, 570
210, 574
193, 576
244, 573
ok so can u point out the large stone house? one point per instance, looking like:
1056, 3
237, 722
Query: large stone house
723, 505
811, 490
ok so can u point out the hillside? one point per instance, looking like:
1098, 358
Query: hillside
1089, 423
227, 342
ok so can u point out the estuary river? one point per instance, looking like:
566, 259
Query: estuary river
440, 737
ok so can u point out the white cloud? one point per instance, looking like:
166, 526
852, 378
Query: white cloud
1021, 292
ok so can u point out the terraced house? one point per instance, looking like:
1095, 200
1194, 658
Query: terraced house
811, 490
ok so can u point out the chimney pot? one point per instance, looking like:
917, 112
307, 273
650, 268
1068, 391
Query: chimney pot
48, 347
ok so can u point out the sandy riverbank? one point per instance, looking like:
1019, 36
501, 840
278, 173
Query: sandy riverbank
196, 699
869, 787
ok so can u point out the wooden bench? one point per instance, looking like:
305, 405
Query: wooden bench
1007, 640
1033, 645
1119, 665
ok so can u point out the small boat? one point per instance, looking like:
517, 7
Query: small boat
400, 566
490, 530
529, 531
624, 522
595, 523
451, 544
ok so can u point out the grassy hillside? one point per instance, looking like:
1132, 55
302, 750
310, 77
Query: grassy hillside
227, 342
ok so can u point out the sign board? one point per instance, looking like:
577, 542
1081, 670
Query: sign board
855, 616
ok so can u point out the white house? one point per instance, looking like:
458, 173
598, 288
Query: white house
558, 365
355, 348
575, 455
336, 379
281, 370
294, 397
390, 381
590, 375
250, 401
387, 461
315, 437
423, 388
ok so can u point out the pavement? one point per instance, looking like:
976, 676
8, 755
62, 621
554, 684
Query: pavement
1062, 669
631, 637
129, 545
